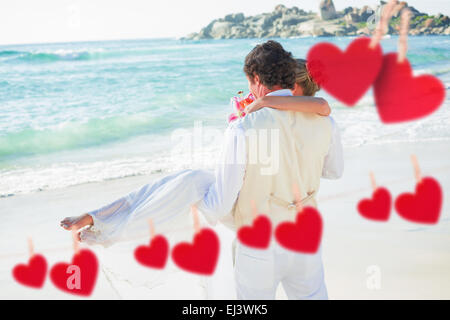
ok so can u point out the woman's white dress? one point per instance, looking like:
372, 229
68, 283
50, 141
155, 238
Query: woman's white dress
214, 192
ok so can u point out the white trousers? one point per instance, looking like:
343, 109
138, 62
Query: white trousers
259, 272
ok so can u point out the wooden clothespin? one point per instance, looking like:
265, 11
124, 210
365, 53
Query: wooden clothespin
298, 198
382, 26
254, 209
151, 228
373, 181
417, 172
30, 247
403, 35
76, 245
196, 219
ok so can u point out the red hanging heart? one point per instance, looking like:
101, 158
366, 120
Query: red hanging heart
423, 206
379, 207
79, 277
399, 96
303, 235
33, 274
200, 257
155, 255
345, 75
257, 235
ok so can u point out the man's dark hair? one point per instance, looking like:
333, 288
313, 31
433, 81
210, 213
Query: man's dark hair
273, 65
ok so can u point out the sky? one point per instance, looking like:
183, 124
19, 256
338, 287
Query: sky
43, 21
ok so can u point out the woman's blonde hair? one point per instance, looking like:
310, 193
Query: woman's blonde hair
304, 80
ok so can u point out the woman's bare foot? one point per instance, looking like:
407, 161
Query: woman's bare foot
77, 223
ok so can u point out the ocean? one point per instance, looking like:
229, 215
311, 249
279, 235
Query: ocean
74, 113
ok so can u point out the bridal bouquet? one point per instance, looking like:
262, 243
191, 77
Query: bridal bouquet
238, 104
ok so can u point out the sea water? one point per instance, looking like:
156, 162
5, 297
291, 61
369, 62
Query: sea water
73, 113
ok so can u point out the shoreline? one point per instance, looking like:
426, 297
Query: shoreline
180, 38
162, 172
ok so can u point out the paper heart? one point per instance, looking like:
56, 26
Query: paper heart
423, 206
379, 207
303, 235
399, 96
348, 74
155, 255
201, 256
258, 234
33, 274
79, 277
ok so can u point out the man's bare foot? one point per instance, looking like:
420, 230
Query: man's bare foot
77, 223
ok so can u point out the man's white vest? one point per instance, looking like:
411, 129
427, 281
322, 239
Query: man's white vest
283, 148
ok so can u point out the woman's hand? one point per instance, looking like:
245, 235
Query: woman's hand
325, 109
254, 106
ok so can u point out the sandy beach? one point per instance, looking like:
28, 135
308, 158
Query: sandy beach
362, 259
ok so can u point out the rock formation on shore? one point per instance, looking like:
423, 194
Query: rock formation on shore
286, 22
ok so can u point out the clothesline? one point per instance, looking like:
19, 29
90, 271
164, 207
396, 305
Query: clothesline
320, 200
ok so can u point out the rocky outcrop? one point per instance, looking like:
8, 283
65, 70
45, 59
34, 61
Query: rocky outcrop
294, 22
327, 10
355, 15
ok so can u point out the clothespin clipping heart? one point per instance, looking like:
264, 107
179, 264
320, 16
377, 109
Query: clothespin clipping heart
399, 95
259, 233
201, 256
425, 204
347, 75
154, 255
377, 208
305, 234
32, 274
80, 276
